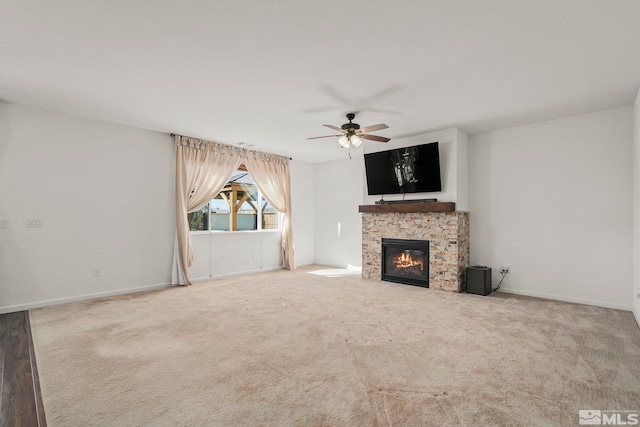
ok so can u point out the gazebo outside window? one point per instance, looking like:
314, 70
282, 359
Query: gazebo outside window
238, 207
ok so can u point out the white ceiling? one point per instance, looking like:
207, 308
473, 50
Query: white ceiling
270, 73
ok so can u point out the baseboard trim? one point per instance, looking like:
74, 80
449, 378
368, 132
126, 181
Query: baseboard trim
65, 300
566, 299
239, 273
636, 315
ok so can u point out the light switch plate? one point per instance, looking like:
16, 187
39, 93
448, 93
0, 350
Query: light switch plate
4, 223
33, 223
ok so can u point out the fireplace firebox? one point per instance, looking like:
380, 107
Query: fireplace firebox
406, 261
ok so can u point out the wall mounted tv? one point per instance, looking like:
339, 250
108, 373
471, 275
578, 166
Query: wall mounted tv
404, 170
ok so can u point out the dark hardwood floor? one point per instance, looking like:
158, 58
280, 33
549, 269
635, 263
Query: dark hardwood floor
21, 401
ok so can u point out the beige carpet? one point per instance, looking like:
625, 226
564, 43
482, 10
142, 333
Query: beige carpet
297, 349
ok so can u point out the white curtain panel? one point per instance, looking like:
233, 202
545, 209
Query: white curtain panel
202, 170
271, 175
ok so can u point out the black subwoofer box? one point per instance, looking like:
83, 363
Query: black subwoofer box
479, 280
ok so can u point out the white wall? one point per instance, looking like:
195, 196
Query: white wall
636, 207
221, 254
554, 201
462, 171
303, 176
105, 195
338, 224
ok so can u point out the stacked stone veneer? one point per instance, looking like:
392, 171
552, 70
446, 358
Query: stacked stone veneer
447, 233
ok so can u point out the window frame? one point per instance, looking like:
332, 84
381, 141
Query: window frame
259, 214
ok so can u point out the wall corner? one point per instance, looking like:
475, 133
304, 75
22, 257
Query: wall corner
636, 209
462, 160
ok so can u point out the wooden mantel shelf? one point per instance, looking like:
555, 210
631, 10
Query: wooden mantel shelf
409, 207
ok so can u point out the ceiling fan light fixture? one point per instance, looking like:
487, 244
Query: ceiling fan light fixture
352, 134
344, 141
355, 141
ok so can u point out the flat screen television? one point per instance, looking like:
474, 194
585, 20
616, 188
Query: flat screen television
404, 170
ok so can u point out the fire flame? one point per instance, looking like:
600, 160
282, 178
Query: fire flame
405, 260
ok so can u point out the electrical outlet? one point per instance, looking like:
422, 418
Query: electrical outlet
505, 269
96, 272
4, 223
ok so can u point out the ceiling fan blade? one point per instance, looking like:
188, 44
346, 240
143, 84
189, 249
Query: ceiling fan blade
374, 127
334, 128
379, 110
375, 138
328, 136
337, 96
319, 109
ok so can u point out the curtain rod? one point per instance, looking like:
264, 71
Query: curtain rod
290, 158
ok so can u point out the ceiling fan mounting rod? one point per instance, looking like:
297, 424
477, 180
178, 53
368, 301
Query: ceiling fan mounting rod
350, 127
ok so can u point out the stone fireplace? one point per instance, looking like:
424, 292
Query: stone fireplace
446, 229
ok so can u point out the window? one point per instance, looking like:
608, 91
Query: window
239, 206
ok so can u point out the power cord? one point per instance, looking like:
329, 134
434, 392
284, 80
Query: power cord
504, 274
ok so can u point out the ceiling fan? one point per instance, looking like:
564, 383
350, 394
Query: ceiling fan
353, 134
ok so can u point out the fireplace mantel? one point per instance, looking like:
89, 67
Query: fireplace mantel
409, 207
